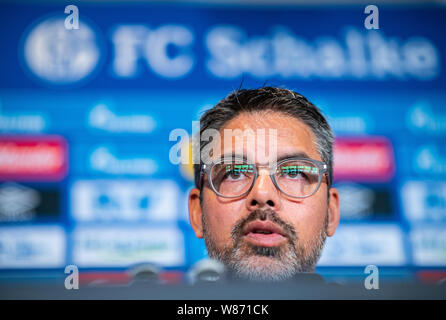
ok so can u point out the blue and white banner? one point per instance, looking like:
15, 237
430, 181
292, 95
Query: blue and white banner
160, 46
125, 200
121, 246
361, 245
424, 201
114, 89
41, 246
429, 245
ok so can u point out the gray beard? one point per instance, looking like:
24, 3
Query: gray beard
258, 263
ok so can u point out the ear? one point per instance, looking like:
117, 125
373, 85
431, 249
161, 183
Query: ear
195, 212
334, 212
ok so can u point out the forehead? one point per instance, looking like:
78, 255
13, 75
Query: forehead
293, 135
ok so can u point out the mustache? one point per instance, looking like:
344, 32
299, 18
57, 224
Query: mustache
263, 215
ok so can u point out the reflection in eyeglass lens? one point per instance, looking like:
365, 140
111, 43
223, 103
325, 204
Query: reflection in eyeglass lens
297, 178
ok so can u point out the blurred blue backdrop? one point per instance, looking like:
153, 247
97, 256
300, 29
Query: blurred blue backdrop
85, 117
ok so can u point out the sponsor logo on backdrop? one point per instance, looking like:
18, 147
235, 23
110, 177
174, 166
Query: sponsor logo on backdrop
125, 200
138, 42
350, 124
429, 161
60, 56
424, 201
187, 166
17, 202
104, 118
363, 159
36, 158
358, 55
32, 247
363, 202
22, 122
422, 119
103, 159
429, 245
25, 203
360, 245
122, 246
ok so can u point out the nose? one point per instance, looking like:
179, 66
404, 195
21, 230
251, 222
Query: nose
263, 194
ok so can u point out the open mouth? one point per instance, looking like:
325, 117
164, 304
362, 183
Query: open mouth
264, 233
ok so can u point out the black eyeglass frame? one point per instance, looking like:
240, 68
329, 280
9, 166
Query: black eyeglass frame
322, 166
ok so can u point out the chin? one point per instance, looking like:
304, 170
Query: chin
263, 268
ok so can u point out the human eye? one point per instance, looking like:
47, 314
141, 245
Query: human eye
298, 171
294, 172
236, 172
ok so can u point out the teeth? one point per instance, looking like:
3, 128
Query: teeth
262, 231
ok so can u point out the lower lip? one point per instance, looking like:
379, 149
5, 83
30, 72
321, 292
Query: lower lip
265, 240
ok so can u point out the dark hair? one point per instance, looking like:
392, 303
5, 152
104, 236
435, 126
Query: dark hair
269, 99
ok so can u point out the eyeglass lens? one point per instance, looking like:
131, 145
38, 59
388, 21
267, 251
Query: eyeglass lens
296, 178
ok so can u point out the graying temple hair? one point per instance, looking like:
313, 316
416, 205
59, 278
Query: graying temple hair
269, 99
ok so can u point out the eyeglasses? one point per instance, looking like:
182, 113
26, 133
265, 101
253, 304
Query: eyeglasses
295, 177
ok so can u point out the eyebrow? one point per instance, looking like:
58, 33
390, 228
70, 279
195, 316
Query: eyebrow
297, 154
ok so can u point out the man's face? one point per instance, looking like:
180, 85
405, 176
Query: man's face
265, 234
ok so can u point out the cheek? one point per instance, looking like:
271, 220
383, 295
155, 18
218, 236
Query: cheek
221, 218
307, 217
